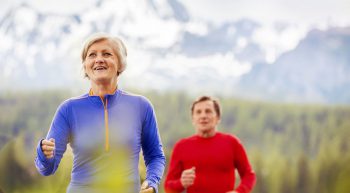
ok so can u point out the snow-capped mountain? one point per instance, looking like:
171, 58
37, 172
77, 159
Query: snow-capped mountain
317, 70
168, 49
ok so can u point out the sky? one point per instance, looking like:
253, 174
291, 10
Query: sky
309, 12
294, 17
300, 15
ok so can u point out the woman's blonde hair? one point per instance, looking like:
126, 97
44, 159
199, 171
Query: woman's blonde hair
118, 47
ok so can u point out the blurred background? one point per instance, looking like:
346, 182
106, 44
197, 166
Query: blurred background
281, 70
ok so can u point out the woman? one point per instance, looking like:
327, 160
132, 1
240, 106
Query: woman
106, 129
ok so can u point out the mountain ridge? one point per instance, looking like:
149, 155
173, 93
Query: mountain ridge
40, 51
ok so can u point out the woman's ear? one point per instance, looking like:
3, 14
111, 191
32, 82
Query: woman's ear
84, 71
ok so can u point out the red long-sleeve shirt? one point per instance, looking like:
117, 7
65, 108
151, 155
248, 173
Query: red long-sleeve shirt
215, 160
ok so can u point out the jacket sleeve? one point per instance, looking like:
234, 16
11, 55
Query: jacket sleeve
59, 130
172, 181
152, 148
246, 173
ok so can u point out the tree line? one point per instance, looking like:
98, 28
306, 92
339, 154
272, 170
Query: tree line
293, 147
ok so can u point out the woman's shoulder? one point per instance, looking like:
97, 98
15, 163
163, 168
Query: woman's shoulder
134, 97
72, 100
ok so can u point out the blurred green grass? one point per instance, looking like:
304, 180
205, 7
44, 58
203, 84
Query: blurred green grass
292, 147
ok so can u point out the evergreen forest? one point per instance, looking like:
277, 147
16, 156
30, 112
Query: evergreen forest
293, 148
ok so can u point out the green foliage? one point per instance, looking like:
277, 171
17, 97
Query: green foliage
292, 147
19, 174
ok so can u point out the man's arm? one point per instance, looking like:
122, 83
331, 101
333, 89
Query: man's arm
246, 173
172, 182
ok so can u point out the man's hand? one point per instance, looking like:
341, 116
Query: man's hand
145, 188
187, 177
48, 147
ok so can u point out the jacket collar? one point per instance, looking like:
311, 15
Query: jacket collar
111, 98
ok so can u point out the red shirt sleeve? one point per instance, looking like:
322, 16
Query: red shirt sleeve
246, 173
172, 181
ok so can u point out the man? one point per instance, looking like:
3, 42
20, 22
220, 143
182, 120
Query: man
206, 162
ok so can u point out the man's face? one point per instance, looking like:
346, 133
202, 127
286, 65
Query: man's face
204, 117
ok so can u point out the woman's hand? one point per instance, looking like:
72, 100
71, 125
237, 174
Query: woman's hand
48, 147
145, 188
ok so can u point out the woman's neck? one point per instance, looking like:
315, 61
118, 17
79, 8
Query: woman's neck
102, 89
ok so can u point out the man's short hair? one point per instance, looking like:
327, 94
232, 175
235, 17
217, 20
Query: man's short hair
207, 98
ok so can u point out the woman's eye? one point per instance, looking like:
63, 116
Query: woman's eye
107, 54
92, 55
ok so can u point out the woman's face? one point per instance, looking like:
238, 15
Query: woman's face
101, 63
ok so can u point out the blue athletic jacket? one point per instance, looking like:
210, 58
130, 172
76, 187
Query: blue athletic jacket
106, 137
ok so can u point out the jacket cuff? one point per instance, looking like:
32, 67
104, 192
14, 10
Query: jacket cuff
43, 160
153, 185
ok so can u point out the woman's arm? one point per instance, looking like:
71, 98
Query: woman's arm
152, 148
59, 131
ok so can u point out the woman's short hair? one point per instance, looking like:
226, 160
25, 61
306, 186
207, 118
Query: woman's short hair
207, 98
118, 47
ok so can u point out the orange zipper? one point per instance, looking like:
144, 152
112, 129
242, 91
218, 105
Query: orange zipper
106, 123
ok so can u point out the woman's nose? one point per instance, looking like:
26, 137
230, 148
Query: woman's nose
98, 59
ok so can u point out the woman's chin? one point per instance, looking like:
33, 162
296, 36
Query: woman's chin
103, 80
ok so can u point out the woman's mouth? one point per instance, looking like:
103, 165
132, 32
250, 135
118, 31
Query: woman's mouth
100, 68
